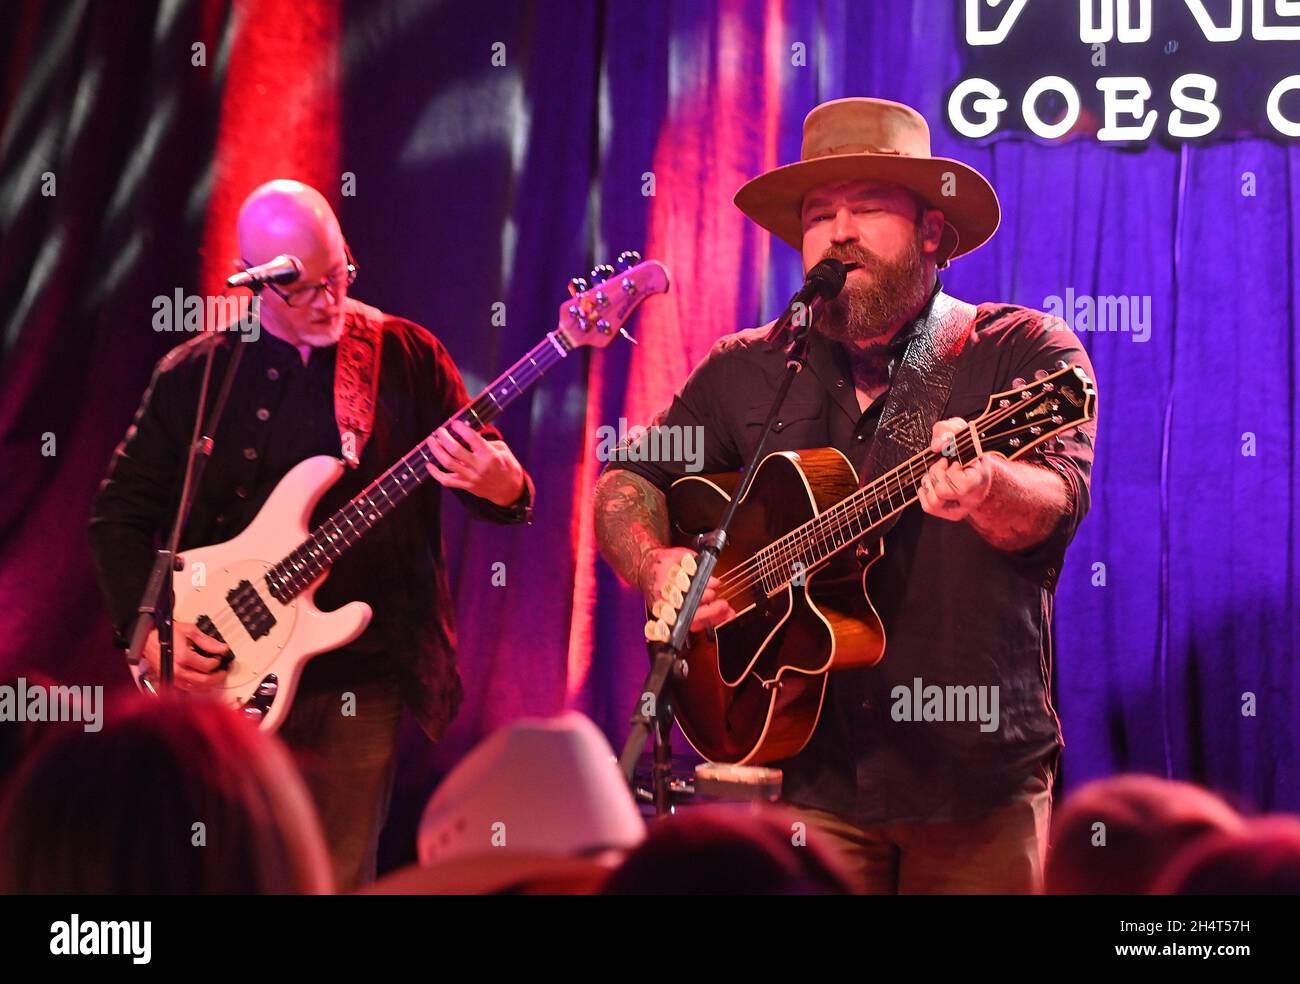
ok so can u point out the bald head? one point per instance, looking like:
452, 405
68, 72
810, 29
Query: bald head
290, 217
285, 216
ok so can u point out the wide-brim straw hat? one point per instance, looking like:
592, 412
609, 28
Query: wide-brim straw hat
878, 140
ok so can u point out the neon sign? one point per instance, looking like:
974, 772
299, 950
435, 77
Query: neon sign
1117, 71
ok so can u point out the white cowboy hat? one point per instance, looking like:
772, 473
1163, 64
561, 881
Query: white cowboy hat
538, 792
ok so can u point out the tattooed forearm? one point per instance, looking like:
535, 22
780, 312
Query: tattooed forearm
1023, 506
631, 520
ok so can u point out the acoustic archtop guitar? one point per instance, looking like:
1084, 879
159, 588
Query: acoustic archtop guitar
754, 688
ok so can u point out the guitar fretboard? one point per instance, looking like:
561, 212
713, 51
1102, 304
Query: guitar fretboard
329, 541
849, 519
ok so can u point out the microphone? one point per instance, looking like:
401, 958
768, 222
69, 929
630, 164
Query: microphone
823, 283
284, 269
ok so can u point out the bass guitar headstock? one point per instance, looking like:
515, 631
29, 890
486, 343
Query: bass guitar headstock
598, 309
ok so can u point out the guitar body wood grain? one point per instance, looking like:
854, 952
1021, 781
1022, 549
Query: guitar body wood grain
754, 692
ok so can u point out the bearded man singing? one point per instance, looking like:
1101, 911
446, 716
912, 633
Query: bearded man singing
965, 585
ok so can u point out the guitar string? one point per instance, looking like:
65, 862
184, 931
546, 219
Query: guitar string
831, 523
827, 525
527, 369
301, 566
774, 557
823, 527
734, 589
549, 352
770, 557
780, 551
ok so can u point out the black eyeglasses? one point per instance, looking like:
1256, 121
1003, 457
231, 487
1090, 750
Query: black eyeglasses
306, 296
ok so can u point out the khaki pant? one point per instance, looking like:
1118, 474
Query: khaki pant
347, 751
1000, 853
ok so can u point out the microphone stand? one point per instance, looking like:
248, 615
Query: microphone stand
654, 706
158, 601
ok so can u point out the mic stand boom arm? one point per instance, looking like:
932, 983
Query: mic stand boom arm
667, 656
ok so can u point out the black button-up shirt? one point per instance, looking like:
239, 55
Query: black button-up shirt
956, 610
281, 411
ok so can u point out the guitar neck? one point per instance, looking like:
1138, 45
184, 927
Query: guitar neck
849, 520
332, 539
1014, 422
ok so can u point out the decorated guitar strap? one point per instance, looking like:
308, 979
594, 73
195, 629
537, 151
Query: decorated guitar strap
919, 390
356, 378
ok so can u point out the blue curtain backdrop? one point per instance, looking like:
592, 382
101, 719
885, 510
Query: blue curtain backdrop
498, 149
502, 182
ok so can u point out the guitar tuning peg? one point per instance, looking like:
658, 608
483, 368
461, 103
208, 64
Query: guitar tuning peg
1062, 364
688, 564
1041, 374
627, 258
576, 286
1018, 382
599, 274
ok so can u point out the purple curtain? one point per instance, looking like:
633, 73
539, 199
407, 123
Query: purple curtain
499, 149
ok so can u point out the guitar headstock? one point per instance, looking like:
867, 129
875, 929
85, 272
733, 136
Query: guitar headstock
596, 312
1024, 417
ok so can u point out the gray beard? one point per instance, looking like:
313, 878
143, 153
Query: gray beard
865, 312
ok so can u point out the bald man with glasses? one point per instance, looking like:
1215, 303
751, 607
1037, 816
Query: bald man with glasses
282, 409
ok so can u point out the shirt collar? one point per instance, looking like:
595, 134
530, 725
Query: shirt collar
898, 344
279, 351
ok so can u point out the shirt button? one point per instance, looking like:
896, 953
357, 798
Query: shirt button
860, 438
839, 383
263, 414
273, 374
241, 492
250, 454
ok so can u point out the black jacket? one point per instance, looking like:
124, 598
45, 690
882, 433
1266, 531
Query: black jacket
280, 412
